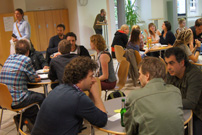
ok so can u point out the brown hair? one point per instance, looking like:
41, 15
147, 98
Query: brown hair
136, 27
150, 25
78, 69
183, 38
198, 22
22, 46
98, 41
154, 66
135, 36
64, 46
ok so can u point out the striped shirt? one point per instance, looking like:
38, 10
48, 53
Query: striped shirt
16, 73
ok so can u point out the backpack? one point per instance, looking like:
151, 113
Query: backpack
115, 94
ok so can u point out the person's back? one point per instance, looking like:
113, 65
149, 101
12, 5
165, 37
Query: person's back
66, 120
57, 66
157, 109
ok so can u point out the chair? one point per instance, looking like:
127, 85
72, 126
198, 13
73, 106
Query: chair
119, 52
21, 132
122, 76
6, 101
138, 57
163, 63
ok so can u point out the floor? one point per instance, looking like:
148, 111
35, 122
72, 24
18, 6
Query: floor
8, 127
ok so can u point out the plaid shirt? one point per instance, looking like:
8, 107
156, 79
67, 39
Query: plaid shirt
16, 73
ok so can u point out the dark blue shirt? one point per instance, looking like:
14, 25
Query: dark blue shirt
62, 112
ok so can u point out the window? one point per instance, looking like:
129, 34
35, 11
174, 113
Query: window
193, 4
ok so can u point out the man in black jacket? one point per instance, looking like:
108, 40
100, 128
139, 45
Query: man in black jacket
57, 64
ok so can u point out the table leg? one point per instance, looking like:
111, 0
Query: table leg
190, 127
45, 86
92, 130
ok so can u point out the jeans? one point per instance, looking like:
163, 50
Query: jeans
30, 113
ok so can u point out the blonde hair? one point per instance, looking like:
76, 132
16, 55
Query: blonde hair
181, 20
98, 41
136, 27
183, 37
124, 27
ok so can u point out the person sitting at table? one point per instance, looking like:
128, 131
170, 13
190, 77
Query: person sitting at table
182, 26
141, 36
197, 32
16, 73
166, 36
187, 77
106, 69
63, 111
156, 108
120, 38
53, 43
134, 42
38, 60
79, 50
57, 64
184, 38
153, 33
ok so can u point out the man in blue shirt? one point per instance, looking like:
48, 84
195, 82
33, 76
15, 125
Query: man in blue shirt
16, 73
21, 29
62, 112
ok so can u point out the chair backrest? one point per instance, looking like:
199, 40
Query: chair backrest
5, 97
21, 132
119, 52
138, 57
163, 63
123, 73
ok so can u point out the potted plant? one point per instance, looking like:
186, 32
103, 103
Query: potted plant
131, 13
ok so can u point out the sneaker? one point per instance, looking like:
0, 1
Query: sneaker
16, 119
29, 124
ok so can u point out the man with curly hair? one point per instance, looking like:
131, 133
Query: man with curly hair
62, 112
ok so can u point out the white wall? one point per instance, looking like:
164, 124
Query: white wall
32, 5
87, 16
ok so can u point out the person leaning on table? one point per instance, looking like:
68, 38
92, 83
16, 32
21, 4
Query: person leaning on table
63, 111
188, 78
156, 108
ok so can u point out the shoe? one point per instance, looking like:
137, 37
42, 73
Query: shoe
16, 119
29, 124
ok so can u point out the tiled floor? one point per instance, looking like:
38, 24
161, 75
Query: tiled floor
8, 126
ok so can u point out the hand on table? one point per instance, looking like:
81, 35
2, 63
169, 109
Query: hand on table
46, 67
38, 79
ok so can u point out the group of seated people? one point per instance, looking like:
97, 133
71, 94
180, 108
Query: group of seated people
161, 100
189, 37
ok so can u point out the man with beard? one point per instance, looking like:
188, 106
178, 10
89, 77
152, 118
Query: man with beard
53, 43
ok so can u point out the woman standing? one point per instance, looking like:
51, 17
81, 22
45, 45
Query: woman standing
166, 37
106, 69
21, 29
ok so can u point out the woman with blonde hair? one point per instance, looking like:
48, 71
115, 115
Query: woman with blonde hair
182, 26
184, 38
120, 38
106, 69
153, 33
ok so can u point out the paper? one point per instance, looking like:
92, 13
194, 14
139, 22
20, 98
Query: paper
8, 23
115, 117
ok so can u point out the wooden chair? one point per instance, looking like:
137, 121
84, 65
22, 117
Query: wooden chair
21, 132
163, 63
119, 52
122, 76
138, 57
6, 101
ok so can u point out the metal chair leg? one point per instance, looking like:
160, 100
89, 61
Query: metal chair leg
20, 121
1, 117
106, 94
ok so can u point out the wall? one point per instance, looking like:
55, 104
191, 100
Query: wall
6, 6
